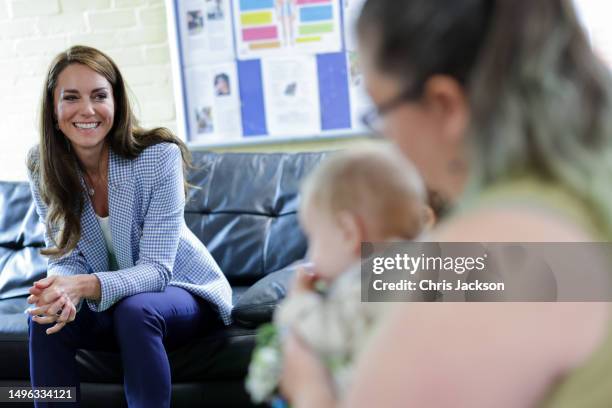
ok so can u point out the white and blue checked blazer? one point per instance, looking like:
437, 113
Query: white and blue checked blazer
153, 246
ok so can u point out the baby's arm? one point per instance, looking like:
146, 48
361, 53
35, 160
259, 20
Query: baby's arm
296, 307
329, 324
300, 300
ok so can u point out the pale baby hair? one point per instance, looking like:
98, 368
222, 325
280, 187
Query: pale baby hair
375, 183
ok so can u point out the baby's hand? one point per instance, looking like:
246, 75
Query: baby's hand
304, 280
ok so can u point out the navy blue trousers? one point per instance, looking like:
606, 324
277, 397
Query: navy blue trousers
141, 327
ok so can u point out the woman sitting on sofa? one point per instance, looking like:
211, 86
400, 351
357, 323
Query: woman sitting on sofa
506, 111
124, 270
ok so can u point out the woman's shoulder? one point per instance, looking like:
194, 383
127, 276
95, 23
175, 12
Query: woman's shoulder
33, 152
525, 210
33, 160
522, 223
156, 154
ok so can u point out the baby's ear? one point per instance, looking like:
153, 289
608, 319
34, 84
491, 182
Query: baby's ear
353, 229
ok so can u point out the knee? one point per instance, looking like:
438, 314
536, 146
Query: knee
38, 336
133, 314
36, 332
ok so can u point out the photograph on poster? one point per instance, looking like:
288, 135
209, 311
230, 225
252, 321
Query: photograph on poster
204, 119
206, 32
213, 86
222, 84
214, 9
195, 22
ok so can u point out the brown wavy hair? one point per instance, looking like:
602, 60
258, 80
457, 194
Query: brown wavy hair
53, 162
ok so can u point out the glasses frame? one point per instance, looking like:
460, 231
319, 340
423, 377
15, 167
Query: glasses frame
376, 113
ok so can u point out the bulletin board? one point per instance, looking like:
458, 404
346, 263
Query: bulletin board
265, 71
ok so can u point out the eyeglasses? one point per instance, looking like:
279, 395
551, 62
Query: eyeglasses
373, 119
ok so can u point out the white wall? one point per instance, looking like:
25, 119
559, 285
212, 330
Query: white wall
595, 16
32, 32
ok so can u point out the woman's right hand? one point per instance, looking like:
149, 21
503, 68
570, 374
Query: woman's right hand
37, 289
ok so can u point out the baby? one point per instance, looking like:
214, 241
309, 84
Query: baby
359, 195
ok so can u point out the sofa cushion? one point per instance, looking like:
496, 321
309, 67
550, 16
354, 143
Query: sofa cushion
21, 237
19, 268
13, 320
258, 303
19, 226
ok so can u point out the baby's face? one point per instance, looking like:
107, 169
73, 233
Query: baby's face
329, 247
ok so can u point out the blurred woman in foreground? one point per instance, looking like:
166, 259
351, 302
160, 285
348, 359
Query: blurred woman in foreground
507, 114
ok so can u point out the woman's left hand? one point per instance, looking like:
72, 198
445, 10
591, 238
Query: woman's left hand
304, 381
48, 290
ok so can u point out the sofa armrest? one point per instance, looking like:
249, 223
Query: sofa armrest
257, 304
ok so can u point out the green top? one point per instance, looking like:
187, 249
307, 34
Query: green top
545, 196
590, 385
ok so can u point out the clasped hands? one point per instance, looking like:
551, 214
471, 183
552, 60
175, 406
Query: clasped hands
55, 298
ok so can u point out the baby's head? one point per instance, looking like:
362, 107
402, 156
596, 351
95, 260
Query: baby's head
360, 195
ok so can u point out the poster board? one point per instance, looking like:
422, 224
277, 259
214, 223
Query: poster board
265, 71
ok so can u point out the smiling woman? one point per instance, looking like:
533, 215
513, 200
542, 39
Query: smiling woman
112, 197
84, 106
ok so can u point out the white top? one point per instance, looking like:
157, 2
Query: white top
105, 226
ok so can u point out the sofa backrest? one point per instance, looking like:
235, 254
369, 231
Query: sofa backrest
244, 209
21, 237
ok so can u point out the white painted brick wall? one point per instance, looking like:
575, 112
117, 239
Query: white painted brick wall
108, 20
80, 5
152, 16
132, 32
3, 11
27, 8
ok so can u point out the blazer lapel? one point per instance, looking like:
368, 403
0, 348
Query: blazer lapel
121, 207
93, 248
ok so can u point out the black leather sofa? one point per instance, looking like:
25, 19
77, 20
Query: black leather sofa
243, 209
